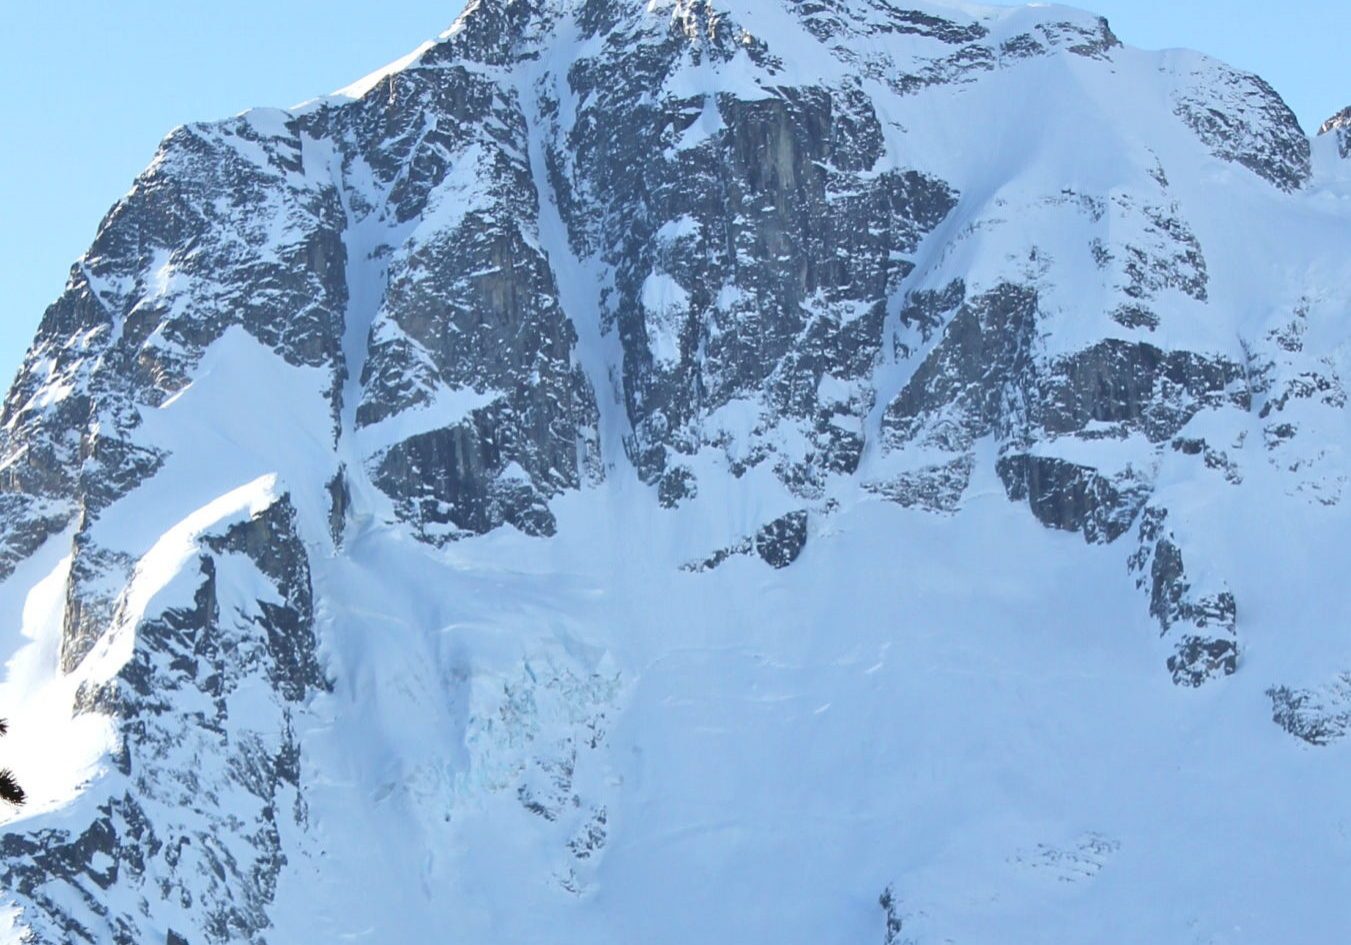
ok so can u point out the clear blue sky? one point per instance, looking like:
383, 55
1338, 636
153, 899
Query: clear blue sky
91, 86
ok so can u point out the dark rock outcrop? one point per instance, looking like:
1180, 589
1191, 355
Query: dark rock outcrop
1317, 716
1339, 125
1207, 646
1072, 497
781, 541
1242, 119
778, 544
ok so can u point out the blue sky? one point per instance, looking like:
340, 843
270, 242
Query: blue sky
92, 86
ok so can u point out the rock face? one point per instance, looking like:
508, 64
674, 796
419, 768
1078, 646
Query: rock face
1339, 126
1253, 126
217, 680
1320, 716
595, 279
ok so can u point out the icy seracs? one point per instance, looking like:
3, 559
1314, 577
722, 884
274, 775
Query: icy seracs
745, 471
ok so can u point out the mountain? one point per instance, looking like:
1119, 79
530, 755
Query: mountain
734, 471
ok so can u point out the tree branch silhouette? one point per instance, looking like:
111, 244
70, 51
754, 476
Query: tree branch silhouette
10, 791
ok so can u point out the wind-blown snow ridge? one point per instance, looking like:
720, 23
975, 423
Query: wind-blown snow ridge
363, 85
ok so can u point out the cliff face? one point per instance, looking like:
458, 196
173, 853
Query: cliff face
1339, 128
400, 473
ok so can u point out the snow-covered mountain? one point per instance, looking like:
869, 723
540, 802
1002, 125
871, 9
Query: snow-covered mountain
793, 471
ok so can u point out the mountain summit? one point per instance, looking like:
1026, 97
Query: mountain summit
747, 471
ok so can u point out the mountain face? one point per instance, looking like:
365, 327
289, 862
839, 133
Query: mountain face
755, 470
1339, 128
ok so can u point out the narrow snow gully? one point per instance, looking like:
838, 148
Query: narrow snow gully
579, 281
370, 240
